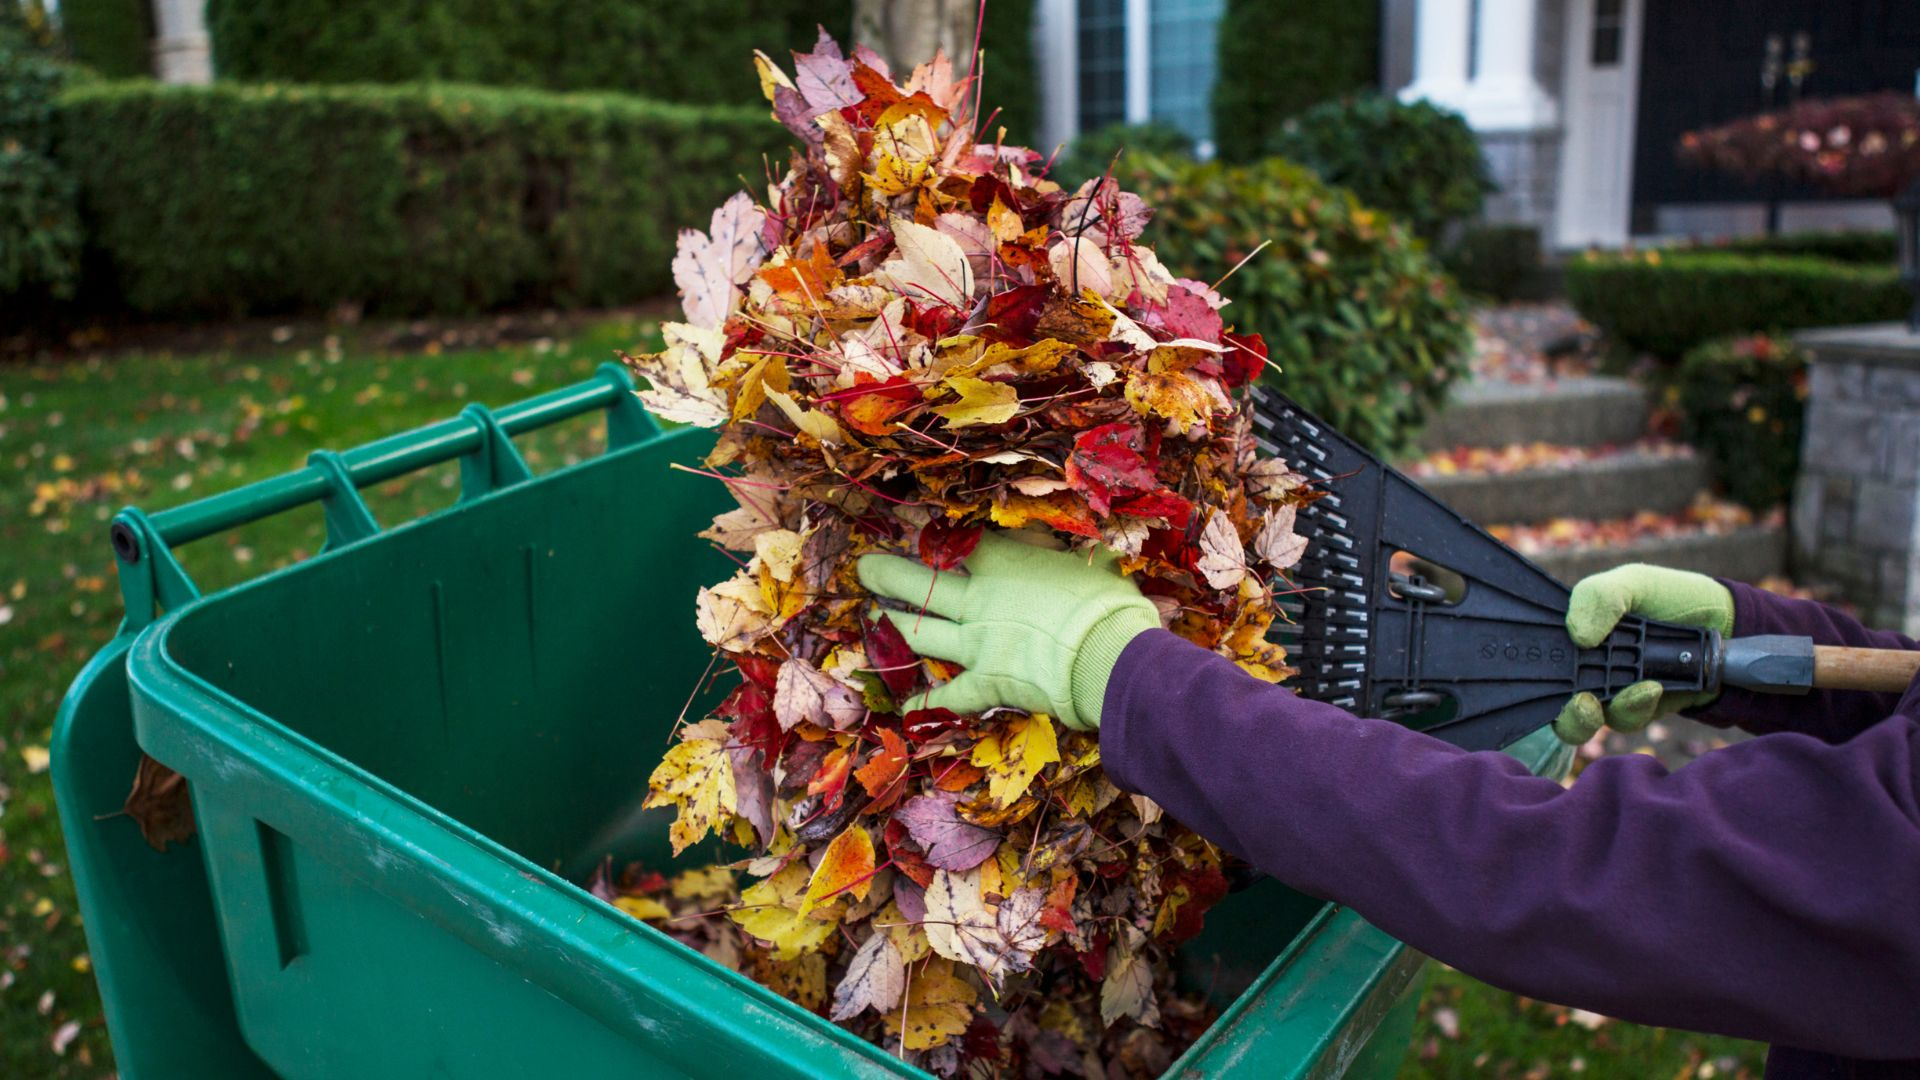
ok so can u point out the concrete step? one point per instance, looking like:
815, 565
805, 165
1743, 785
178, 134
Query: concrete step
1610, 486
1747, 554
1584, 411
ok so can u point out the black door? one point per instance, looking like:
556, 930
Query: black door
1702, 63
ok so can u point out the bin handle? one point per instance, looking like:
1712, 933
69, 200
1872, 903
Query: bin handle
152, 580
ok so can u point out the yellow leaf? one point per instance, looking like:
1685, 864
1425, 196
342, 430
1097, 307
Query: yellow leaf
1015, 754
702, 884
697, 777
980, 402
770, 912
810, 421
1175, 395
771, 77
642, 907
779, 551
909, 937
767, 373
939, 1006
846, 869
801, 980
892, 176
1004, 222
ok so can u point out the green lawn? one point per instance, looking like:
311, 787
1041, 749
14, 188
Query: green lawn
85, 437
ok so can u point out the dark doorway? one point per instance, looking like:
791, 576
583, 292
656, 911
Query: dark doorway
1703, 62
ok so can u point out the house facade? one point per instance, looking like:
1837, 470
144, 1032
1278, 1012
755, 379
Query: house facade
1578, 104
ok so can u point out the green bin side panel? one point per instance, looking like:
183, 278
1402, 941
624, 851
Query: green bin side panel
151, 930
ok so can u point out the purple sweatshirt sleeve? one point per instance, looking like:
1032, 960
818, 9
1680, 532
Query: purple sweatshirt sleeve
1767, 891
1828, 715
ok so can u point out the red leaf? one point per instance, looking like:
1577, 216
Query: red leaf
1057, 914
1106, 463
831, 781
1161, 504
761, 670
880, 93
908, 860
1206, 887
1012, 315
923, 725
945, 545
982, 1039
1186, 315
1094, 960
1245, 358
933, 321
891, 659
754, 724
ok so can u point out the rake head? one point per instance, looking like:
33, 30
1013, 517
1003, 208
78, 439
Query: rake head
1405, 610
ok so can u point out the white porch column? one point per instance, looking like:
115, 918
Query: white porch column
181, 51
1139, 64
1440, 32
1056, 48
1504, 95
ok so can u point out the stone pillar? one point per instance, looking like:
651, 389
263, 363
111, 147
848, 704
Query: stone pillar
1441, 30
1856, 505
182, 52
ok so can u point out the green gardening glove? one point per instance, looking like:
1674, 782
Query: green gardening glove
1035, 629
1652, 592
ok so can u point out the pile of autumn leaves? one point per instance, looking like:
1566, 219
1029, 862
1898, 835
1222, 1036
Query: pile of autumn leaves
916, 337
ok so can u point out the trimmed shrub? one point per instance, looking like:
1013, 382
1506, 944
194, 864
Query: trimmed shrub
230, 198
1278, 57
1500, 262
1665, 303
1367, 331
40, 238
1090, 152
109, 36
1418, 162
1869, 248
1742, 399
1006, 62
695, 53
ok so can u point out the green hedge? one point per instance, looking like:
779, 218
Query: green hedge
39, 225
669, 51
1665, 303
1368, 331
231, 198
1417, 161
109, 36
1742, 399
1006, 58
1278, 57
1848, 247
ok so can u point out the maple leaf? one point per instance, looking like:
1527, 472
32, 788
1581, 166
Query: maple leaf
892, 659
679, 388
845, 868
876, 978
697, 777
802, 980
733, 615
1277, 544
770, 911
759, 510
1106, 462
812, 422
1272, 479
159, 804
1244, 360
945, 545
1177, 396
1014, 754
767, 373
803, 692
824, 77
959, 926
779, 551
711, 267
939, 1005
1080, 265
1223, 560
1128, 988
950, 843
981, 402
931, 265
885, 766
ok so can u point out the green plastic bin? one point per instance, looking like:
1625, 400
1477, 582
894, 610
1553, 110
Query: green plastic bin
405, 751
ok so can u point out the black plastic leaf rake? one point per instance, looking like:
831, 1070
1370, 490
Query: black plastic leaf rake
1405, 610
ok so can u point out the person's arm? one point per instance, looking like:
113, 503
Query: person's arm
1770, 890
1830, 715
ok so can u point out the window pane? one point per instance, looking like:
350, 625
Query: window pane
1103, 63
1184, 51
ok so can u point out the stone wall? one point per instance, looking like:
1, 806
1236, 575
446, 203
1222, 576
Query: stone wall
1855, 523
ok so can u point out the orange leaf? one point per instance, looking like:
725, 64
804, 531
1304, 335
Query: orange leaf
886, 764
959, 776
846, 867
831, 780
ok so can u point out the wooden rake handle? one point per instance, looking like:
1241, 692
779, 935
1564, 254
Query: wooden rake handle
1839, 667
